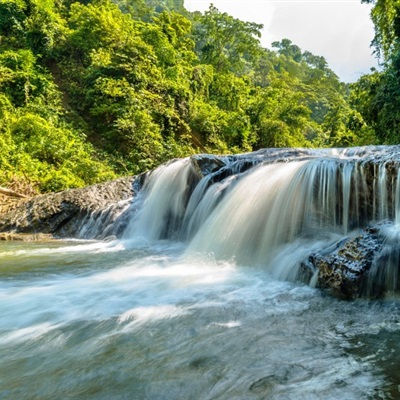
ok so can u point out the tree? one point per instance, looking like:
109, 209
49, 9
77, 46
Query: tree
227, 43
97, 88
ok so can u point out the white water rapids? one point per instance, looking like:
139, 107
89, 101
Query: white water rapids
198, 298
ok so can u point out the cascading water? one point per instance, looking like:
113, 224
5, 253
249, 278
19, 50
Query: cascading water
257, 214
194, 294
162, 202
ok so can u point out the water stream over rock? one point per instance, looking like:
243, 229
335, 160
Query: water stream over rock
200, 280
279, 210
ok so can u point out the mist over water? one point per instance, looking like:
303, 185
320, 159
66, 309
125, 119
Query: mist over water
198, 298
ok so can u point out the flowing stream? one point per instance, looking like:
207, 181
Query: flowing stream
198, 298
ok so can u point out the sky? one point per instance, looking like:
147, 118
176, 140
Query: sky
339, 30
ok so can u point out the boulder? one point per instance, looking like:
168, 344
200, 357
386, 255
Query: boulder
344, 268
62, 214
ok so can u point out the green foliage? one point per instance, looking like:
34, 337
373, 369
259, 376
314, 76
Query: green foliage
93, 89
376, 96
227, 43
53, 157
280, 117
386, 18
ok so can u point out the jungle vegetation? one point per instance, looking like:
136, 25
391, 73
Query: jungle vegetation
94, 89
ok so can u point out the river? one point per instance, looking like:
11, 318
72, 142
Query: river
197, 299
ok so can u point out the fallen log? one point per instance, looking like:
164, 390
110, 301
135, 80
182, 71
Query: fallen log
12, 193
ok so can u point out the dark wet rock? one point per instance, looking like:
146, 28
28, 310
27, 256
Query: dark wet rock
61, 214
343, 268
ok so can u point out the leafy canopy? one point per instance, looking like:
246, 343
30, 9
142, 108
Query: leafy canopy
94, 89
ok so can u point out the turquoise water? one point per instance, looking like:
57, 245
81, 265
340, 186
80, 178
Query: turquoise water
98, 320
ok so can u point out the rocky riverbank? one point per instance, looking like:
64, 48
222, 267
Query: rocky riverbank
61, 214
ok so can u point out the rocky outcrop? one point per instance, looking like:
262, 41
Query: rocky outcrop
205, 164
362, 266
62, 214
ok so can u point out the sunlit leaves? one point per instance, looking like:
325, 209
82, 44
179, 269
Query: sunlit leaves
88, 88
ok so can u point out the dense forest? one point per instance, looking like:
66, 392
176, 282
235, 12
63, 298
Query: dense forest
96, 89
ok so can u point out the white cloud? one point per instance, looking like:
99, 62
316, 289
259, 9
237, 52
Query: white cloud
339, 30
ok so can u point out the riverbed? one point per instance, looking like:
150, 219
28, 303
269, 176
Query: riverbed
108, 320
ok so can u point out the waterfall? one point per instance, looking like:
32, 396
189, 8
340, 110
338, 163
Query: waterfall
163, 202
275, 205
250, 215
267, 208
